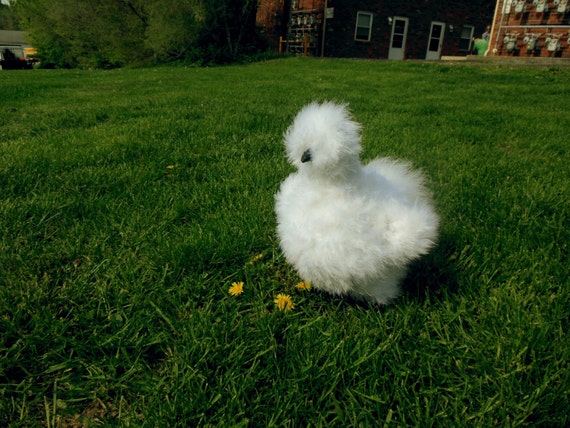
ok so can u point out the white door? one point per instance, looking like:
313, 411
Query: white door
398, 38
435, 42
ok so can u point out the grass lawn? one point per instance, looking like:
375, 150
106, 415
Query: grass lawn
131, 200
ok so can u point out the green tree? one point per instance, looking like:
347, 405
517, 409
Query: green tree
108, 33
231, 28
53, 49
202, 30
174, 27
8, 18
88, 33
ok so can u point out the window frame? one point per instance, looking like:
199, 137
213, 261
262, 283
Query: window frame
358, 27
469, 39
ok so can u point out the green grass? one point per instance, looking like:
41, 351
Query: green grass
130, 201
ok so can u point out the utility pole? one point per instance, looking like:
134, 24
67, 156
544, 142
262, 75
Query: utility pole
324, 29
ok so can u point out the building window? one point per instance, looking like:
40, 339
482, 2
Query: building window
363, 26
466, 38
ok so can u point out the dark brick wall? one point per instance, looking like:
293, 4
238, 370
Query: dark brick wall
340, 30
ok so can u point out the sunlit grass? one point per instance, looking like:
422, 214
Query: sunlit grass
132, 202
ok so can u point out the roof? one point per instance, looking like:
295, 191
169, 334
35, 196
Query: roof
13, 38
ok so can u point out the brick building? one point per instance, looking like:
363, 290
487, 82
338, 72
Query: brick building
407, 29
531, 28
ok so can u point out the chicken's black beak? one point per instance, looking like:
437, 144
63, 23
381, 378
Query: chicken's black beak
306, 156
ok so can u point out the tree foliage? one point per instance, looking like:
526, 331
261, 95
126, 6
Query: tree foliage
173, 29
110, 33
8, 19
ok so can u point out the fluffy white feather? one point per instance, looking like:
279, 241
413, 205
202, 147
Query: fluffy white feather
349, 228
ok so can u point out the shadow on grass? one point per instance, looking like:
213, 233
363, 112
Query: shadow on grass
435, 274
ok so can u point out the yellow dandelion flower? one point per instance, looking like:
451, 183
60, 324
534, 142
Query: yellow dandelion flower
284, 302
170, 167
303, 285
236, 288
255, 259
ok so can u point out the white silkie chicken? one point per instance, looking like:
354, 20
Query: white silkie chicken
348, 228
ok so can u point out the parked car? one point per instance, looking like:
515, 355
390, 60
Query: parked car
14, 58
